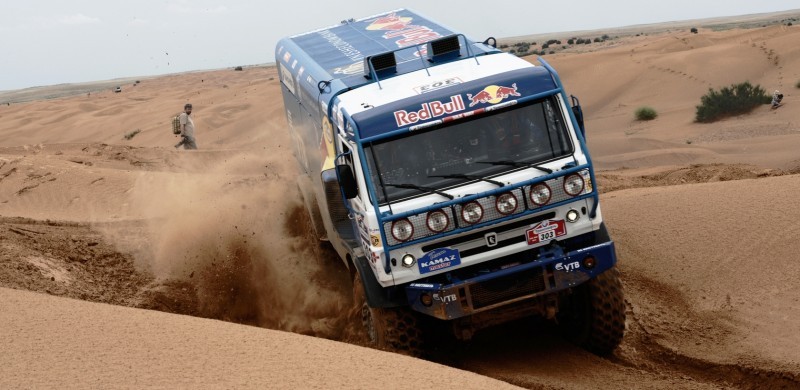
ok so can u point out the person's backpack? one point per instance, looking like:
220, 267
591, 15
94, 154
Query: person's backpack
176, 124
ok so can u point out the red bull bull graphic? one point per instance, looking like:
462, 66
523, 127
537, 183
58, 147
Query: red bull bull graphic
429, 111
493, 94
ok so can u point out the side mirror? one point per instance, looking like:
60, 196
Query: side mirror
347, 181
578, 112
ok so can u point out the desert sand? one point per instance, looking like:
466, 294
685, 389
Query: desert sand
127, 263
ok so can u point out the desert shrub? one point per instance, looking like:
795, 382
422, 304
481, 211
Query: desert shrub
693, 30
645, 113
132, 134
239, 68
571, 41
598, 39
734, 100
545, 45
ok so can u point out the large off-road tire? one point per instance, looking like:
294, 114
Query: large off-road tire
593, 316
393, 329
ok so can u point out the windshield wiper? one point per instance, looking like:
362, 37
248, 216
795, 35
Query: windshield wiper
420, 188
469, 177
517, 164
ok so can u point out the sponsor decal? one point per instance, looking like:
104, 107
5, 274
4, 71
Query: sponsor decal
445, 298
343, 46
400, 29
286, 77
429, 111
327, 138
354, 68
437, 85
546, 231
438, 259
491, 239
568, 267
375, 239
493, 94
421, 285
287, 56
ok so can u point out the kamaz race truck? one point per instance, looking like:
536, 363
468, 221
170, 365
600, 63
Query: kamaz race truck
453, 180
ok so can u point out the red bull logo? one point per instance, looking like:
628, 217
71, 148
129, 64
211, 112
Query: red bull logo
401, 27
493, 94
429, 111
390, 22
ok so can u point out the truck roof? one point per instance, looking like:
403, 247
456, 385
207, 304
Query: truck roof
335, 55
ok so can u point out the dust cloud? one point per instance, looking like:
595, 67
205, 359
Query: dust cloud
232, 226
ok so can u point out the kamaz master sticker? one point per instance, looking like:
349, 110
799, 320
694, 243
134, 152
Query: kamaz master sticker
438, 259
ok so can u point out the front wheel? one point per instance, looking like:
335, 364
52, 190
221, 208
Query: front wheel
393, 329
593, 316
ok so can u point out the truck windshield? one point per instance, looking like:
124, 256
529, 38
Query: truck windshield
468, 150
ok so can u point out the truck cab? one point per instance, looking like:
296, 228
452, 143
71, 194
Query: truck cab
453, 180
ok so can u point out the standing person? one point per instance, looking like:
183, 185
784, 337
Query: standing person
187, 129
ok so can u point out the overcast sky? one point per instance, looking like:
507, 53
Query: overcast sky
46, 42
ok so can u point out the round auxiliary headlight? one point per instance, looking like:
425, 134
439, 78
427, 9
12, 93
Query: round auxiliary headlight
573, 215
437, 221
540, 194
573, 184
506, 203
472, 213
402, 230
408, 261
426, 299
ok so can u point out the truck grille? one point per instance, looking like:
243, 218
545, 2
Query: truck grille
488, 203
507, 287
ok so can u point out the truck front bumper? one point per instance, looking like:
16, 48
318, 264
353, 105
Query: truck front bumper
552, 271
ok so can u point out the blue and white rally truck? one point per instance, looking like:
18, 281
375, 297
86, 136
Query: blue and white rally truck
453, 180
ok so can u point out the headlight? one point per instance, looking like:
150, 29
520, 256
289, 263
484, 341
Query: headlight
573, 184
472, 213
506, 203
573, 215
402, 230
437, 221
540, 194
408, 261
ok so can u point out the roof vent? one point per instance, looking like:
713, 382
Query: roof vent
381, 64
444, 48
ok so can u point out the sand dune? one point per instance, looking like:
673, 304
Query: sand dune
702, 215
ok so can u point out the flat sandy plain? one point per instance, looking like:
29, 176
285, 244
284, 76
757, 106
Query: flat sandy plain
126, 263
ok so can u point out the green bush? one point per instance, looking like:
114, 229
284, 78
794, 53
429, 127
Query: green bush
645, 113
728, 101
